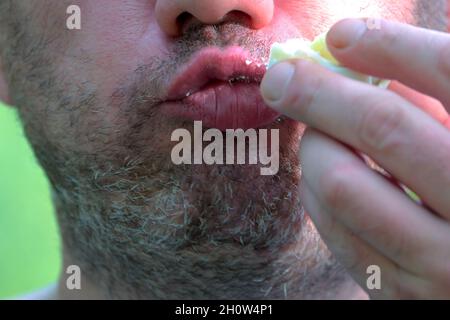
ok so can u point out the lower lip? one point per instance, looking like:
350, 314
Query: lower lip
225, 106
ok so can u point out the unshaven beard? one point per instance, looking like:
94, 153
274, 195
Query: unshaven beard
159, 231
141, 227
165, 236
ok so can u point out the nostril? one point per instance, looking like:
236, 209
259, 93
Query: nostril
238, 17
175, 17
183, 19
186, 20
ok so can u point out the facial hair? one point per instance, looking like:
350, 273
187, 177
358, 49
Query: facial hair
140, 226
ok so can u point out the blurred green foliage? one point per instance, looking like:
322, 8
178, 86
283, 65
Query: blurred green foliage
29, 241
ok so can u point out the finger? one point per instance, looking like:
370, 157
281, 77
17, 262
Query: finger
417, 57
426, 103
370, 207
357, 256
401, 138
354, 255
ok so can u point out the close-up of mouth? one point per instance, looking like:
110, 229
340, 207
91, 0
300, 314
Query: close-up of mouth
220, 87
189, 152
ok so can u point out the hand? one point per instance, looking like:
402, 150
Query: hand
364, 218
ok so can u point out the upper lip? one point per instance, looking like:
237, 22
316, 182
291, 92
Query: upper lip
215, 64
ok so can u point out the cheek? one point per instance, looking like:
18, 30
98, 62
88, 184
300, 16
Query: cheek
117, 37
318, 16
121, 36
352, 8
335, 10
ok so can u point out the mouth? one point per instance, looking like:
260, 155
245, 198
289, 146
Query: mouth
221, 89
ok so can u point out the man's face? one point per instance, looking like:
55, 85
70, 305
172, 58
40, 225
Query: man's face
95, 105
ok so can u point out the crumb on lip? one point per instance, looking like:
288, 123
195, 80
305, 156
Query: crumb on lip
249, 62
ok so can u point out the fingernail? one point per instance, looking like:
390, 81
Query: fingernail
276, 81
346, 33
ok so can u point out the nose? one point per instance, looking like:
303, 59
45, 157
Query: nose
168, 12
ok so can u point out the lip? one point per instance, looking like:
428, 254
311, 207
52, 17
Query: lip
203, 91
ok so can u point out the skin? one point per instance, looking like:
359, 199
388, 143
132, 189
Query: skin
140, 227
409, 241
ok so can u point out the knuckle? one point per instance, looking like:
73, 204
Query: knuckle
390, 37
303, 91
383, 40
396, 240
357, 261
379, 125
328, 226
438, 269
370, 227
400, 285
403, 284
386, 233
400, 291
410, 287
337, 187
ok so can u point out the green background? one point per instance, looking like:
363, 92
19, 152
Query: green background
29, 242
